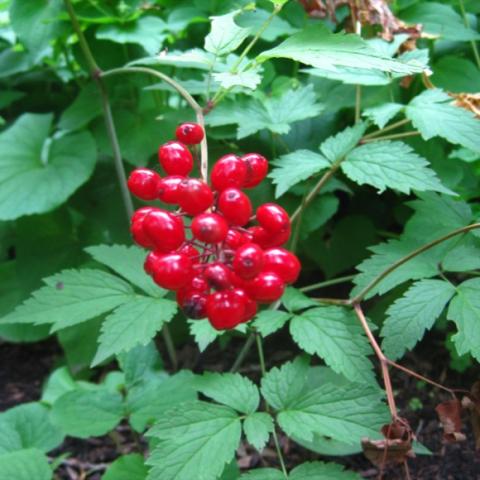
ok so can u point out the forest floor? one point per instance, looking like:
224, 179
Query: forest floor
24, 368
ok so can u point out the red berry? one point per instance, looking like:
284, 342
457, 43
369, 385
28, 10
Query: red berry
172, 271
248, 261
282, 262
209, 228
235, 206
225, 309
218, 276
165, 230
190, 133
266, 287
250, 305
229, 171
143, 183
137, 230
175, 158
257, 169
189, 250
235, 239
273, 218
267, 239
168, 189
195, 196
194, 305
197, 284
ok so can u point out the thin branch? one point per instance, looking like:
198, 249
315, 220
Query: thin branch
391, 137
172, 354
467, 24
243, 352
393, 126
327, 283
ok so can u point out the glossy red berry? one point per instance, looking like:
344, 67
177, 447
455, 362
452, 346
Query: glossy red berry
168, 189
273, 218
267, 239
266, 287
175, 158
235, 206
235, 239
195, 196
257, 169
136, 228
165, 230
251, 306
189, 250
225, 309
248, 261
218, 276
282, 262
229, 171
189, 133
194, 305
172, 271
153, 258
209, 228
143, 183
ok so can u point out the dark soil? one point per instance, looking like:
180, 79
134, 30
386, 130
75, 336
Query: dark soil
24, 368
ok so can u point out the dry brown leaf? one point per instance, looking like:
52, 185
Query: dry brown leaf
450, 415
469, 101
472, 403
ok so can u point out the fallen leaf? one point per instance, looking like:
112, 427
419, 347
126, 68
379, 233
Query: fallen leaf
472, 403
450, 415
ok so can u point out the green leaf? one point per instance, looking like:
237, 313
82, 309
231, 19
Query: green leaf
25, 465
337, 146
456, 74
294, 300
225, 35
294, 167
195, 437
269, 321
321, 471
127, 467
203, 332
434, 115
147, 31
230, 389
88, 413
257, 427
464, 310
318, 47
255, 19
133, 323
318, 213
151, 397
71, 297
249, 79
32, 427
194, 58
351, 76
32, 162
334, 334
274, 113
263, 474
127, 262
7, 97
59, 382
394, 165
439, 20
140, 364
382, 114
412, 314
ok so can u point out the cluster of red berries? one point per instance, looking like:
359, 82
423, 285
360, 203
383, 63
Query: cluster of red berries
224, 267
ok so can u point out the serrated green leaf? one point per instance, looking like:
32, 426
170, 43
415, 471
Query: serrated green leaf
294, 167
318, 47
148, 31
127, 262
230, 389
203, 332
263, 474
249, 79
334, 334
59, 382
351, 76
141, 363
455, 74
294, 300
412, 314
31, 428
464, 310
382, 114
71, 297
194, 58
337, 146
33, 162
25, 465
321, 471
88, 413
225, 35
257, 427
133, 323
269, 321
387, 164
195, 437
83, 110
434, 115
127, 467
255, 20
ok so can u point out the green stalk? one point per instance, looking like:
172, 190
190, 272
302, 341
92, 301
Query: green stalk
387, 129
327, 283
243, 352
391, 137
467, 24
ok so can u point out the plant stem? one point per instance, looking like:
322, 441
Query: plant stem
184, 93
360, 296
327, 283
358, 102
261, 358
391, 137
107, 111
387, 129
383, 361
467, 24
172, 354
296, 231
243, 352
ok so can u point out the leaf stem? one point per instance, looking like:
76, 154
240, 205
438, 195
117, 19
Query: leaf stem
243, 352
467, 24
391, 137
184, 93
387, 129
172, 354
361, 295
327, 283
358, 102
